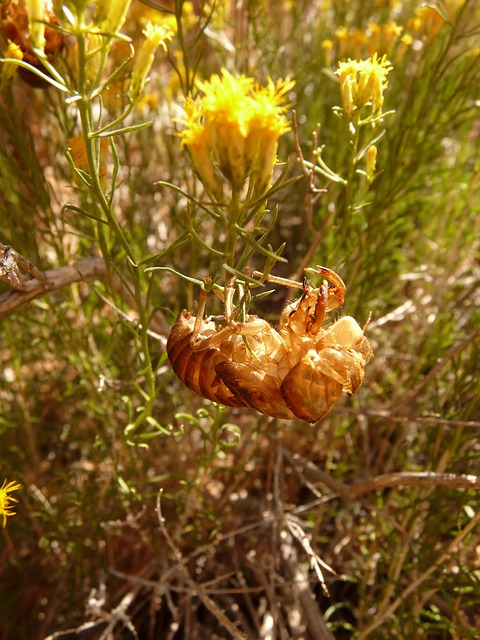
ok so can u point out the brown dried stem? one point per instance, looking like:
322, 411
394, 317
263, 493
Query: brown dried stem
398, 479
27, 290
35, 283
196, 588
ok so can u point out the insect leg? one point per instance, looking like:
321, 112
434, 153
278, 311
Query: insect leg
336, 294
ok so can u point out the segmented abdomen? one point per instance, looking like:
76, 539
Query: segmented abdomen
197, 369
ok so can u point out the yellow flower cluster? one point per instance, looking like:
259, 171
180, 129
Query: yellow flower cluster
235, 126
363, 82
383, 39
389, 38
427, 21
6, 500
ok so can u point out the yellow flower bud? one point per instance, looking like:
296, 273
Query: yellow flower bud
205, 168
371, 162
115, 12
94, 56
8, 68
327, 47
155, 36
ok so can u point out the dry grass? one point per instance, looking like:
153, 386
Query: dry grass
203, 522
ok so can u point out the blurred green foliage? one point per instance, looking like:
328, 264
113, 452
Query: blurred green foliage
93, 423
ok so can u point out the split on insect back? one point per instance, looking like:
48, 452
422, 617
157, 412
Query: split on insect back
298, 370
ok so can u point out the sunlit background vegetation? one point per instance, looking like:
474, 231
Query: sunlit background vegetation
146, 511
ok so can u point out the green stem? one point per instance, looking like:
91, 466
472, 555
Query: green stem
234, 211
354, 143
92, 147
348, 204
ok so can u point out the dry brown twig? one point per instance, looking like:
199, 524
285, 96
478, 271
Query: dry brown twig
104, 622
299, 583
424, 421
399, 479
196, 588
28, 283
34, 283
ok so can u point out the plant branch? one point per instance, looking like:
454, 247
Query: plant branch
397, 479
196, 588
39, 283
51, 280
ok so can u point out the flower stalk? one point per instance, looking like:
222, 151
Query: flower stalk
94, 28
